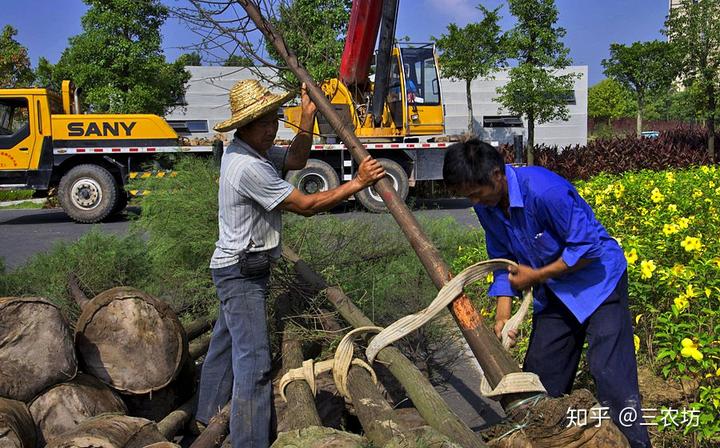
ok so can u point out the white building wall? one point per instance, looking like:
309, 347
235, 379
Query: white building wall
207, 99
561, 133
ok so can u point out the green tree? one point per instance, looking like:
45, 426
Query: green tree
694, 29
315, 30
15, 68
678, 104
609, 99
646, 68
536, 89
474, 51
193, 59
235, 60
117, 59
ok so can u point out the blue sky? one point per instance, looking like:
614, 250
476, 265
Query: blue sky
592, 25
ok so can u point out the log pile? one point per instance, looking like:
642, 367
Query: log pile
112, 383
128, 377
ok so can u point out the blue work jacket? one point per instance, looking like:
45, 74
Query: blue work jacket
548, 220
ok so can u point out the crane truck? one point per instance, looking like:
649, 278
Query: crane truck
46, 143
397, 111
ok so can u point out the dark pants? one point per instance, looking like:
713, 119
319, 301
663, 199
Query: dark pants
238, 360
556, 343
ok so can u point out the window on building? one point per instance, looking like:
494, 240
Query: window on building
502, 121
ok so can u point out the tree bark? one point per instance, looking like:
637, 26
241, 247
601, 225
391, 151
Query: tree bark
423, 395
468, 95
375, 413
301, 411
216, 431
174, 421
495, 361
198, 327
712, 105
199, 347
17, 428
531, 141
76, 292
639, 124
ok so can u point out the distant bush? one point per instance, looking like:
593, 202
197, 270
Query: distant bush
678, 148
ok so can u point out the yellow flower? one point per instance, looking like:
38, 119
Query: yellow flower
681, 302
690, 349
717, 262
684, 222
708, 291
598, 199
711, 184
632, 256
636, 340
656, 195
678, 269
670, 176
672, 207
669, 229
619, 190
489, 278
705, 169
697, 193
691, 244
689, 291
647, 267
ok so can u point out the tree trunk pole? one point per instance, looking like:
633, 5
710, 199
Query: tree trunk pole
301, 410
174, 422
495, 361
468, 95
374, 412
639, 121
216, 431
712, 103
199, 347
198, 327
76, 292
531, 141
423, 395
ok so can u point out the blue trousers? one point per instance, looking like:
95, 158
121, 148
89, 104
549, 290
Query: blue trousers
556, 344
237, 364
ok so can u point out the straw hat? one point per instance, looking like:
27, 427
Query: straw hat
248, 101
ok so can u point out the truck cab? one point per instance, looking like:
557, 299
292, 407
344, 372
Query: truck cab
25, 137
47, 144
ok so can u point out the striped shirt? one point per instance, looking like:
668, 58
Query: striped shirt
250, 189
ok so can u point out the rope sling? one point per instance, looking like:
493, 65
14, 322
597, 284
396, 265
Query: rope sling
340, 364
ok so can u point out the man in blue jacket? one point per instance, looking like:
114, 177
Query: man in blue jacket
577, 271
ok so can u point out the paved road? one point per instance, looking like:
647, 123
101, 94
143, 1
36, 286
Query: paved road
24, 233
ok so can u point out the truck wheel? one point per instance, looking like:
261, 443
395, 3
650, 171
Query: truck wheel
372, 201
88, 193
315, 177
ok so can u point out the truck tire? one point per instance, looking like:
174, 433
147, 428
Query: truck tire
372, 201
88, 193
315, 177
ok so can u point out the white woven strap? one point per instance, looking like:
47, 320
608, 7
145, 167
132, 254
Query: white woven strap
513, 383
340, 365
447, 294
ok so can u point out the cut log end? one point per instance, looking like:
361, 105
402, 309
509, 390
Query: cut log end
130, 340
38, 349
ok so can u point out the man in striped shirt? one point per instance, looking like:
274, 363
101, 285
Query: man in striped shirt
252, 195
